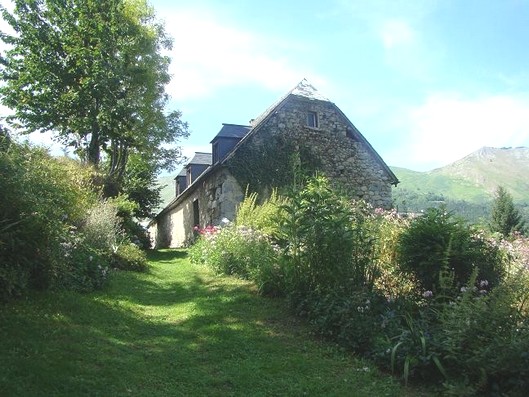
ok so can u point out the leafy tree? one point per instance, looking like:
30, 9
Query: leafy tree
505, 218
92, 72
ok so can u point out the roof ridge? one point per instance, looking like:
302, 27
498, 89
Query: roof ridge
238, 125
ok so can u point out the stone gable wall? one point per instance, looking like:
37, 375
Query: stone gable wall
346, 161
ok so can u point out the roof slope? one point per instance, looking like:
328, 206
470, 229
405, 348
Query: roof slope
232, 131
201, 158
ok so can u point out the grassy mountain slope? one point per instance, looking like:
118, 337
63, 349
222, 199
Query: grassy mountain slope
474, 178
489, 167
436, 185
467, 186
168, 191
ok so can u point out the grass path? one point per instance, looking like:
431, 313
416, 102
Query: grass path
176, 331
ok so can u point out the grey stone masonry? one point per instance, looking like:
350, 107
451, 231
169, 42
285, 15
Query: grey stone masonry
346, 158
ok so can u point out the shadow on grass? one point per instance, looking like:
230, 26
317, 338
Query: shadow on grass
167, 255
191, 335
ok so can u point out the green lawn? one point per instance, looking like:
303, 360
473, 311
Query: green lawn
176, 331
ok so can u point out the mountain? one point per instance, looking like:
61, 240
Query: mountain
467, 186
475, 177
168, 190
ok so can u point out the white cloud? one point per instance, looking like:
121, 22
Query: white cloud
447, 127
209, 55
395, 33
190, 150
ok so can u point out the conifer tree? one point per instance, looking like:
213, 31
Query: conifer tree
505, 218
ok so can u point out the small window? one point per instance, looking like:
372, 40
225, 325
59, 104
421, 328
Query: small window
215, 153
196, 214
189, 177
312, 119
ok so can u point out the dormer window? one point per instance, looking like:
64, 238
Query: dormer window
312, 119
216, 153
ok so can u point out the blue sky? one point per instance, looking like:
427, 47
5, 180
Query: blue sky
426, 82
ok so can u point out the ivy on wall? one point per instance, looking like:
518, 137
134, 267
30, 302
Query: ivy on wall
274, 162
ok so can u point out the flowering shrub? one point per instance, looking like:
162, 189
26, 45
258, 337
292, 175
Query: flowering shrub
483, 338
83, 267
129, 257
325, 240
388, 227
517, 249
427, 298
101, 227
239, 251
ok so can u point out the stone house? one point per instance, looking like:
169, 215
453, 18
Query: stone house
301, 128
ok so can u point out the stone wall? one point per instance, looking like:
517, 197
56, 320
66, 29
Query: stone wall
217, 195
220, 194
344, 158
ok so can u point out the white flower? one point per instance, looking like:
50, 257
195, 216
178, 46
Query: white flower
427, 294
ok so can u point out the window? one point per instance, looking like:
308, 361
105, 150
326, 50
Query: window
196, 214
215, 153
312, 119
189, 179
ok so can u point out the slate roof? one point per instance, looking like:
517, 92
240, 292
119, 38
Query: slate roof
182, 172
201, 158
232, 131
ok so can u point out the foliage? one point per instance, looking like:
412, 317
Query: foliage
484, 339
129, 257
93, 73
505, 218
263, 216
272, 164
131, 229
437, 244
239, 251
353, 318
140, 186
83, 267
39, 198
101, 227
55, 232
428, 298
388, 227
323, 240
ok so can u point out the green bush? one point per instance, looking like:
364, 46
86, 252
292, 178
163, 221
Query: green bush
40, 197
354, 319
82, 267
130, 228
242, 252
262, 217
483, 338
129, 257
436, 243
102, 227
325, 240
